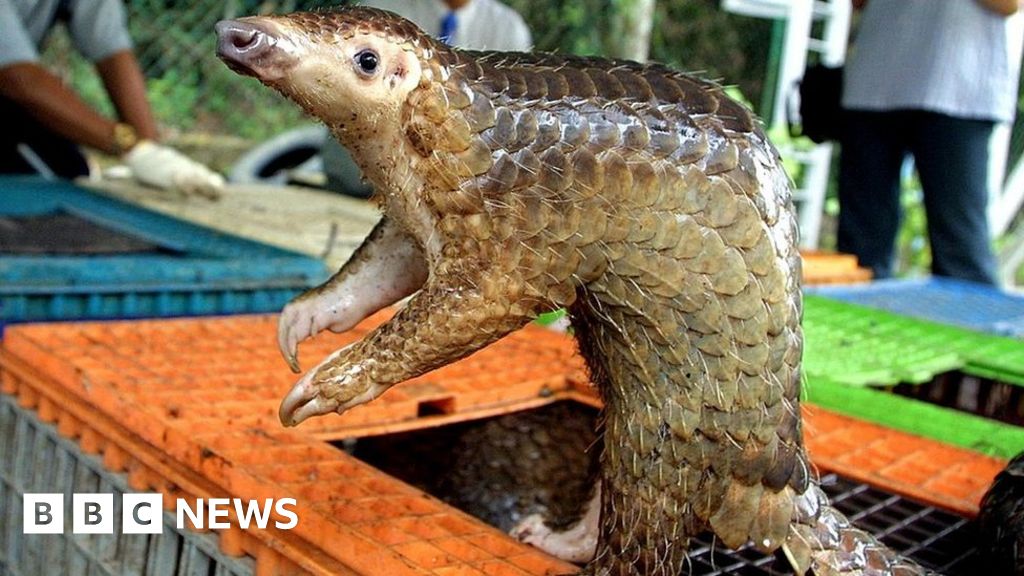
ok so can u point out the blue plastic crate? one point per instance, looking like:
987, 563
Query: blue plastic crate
195, 271
956, 302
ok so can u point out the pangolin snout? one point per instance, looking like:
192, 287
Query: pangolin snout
251, 48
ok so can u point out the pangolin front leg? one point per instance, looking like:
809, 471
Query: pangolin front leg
387, 267
414, 341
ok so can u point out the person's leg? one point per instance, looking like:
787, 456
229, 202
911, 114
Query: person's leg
869, 188
952, 160
59, 155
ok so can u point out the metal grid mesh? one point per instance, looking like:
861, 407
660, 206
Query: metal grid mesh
35, 459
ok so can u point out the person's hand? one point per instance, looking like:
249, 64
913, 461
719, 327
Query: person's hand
166, 168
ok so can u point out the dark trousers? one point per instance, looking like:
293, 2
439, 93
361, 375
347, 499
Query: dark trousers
951, 156
60, 156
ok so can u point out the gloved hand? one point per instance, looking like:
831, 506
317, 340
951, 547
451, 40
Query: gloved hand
166, 168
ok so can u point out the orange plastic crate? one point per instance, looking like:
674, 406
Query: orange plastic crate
188, 407
832, 268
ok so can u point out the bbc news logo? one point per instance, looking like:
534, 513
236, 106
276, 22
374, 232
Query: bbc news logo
143, 513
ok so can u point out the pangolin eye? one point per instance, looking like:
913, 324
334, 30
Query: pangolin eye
367, 60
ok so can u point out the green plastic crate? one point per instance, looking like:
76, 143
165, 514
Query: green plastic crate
851, 351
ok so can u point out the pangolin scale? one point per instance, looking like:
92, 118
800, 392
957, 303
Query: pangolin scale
643, 200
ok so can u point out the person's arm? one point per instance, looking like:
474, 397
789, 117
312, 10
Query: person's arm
126, 87
45, 97
1001, 7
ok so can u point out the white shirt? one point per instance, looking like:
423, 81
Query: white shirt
947, 56
482, 24
97, 28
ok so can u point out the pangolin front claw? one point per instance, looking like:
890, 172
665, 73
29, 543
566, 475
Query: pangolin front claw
335, 385
304, 400
293, 326
304, 318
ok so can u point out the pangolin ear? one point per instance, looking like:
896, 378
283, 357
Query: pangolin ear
403, 71
397, 71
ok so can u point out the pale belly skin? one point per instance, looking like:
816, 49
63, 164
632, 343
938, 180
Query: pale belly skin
643, 200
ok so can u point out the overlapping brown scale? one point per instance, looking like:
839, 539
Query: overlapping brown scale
731, 278
663, 143
491, 80
579, 83
595, 216
549, 131
556, 173
575, 129
698, 96
734, 115
747, 303
746, 227
722, 156
607, 86
604, 133
557, 85
588, 174
618, 178
633, 84
645, 227
534, 215
502, 176
646, 192
661, 85
526, 130
563, 229
529, 169
711, 257
474, 160
463, 63
503, 133
517, 86
456, 135
692, 141
536, 85
430, 103
635, 137
721, 208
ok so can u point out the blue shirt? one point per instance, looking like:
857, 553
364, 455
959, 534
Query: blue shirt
947, 56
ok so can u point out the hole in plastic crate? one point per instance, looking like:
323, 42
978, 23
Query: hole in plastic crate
541, 461
984, 397
436, 407
499, 469
61, 232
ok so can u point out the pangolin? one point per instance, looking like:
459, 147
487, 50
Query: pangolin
641, 199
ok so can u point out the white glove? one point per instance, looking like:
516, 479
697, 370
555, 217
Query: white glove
166, 168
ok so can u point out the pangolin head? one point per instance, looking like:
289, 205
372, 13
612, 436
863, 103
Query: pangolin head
350, 67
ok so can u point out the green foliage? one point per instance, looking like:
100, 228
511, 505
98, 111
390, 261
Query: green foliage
78, 72
913, 253
174, 96
190, 90
697, 35
692, 35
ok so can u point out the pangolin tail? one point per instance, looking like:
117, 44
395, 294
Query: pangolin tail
824, 542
